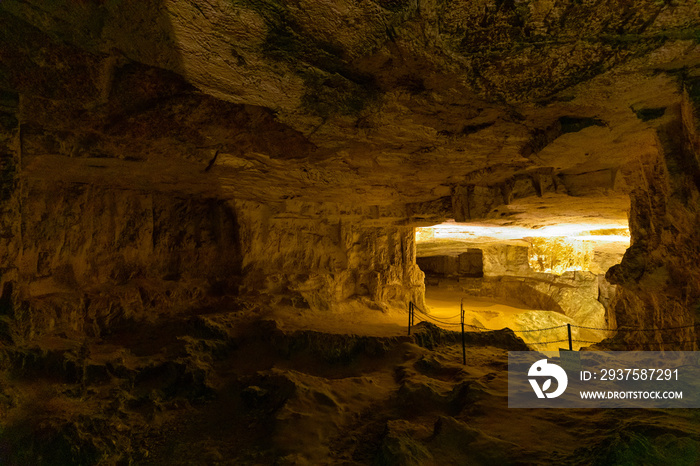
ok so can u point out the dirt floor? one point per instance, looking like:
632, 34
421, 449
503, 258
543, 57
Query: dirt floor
494, 313
251, 385
443, 309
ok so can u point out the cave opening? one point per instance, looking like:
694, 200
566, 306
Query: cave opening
534, 281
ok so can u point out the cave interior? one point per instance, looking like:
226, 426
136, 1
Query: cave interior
215, 216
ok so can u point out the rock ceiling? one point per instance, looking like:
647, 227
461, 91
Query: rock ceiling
387, 107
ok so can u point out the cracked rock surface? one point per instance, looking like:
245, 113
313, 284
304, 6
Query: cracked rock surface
207, 214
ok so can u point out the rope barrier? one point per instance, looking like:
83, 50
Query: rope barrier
561, 326
421, 311
434, 319
548, 342
669, 343
425, 314
633, 329
596, 328
539, 329
413, 308
636, 329
477, 327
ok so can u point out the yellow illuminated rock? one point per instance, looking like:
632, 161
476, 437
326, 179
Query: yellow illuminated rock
214, 216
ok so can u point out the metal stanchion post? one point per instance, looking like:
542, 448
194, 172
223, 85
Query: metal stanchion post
571, 346
410, 316
464, 351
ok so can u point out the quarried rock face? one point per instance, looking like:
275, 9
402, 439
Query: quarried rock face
466, 264
317, 258
166, 166
659, 277
506, 259
89, 259
573, 294
582, 296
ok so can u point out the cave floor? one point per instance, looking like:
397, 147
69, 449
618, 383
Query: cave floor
247, 387
351, 319
443, 304
493, 313
442, 307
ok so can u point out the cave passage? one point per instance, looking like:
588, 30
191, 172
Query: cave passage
523, 278
216, 215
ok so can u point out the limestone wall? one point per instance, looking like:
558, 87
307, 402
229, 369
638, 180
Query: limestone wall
505, 259
467, 264
322, 262
659, 277
581, 295
88, 259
